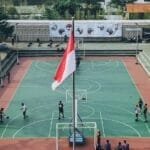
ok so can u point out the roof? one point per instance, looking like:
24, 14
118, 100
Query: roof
138, 7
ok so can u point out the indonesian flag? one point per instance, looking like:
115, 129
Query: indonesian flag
67, 64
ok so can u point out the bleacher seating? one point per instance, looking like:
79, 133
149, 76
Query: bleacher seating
29, 32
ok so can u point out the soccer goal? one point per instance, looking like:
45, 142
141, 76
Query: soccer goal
80, 95
85, 133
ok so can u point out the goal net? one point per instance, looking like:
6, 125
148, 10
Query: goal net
80, 95
85, 133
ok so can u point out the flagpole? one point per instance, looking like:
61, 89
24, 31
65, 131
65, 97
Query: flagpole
73, 104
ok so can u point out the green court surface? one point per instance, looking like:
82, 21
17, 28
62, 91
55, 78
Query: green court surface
111, 98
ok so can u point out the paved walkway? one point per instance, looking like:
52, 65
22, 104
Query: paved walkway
144, 58
87, 45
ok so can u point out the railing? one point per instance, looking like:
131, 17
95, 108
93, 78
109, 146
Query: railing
7, 63
89, 52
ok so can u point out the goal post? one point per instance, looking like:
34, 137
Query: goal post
87, 129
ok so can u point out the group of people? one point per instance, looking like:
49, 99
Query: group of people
3, 115
122, 146
107, 145
140, 109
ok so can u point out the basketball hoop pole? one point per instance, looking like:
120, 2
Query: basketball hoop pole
137, 43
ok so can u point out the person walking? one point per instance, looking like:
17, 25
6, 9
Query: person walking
61, 109
24, 110
137, 111
145, 112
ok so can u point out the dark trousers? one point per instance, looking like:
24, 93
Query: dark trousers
24, 114
61, 113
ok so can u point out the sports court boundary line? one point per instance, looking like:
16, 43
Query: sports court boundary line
101, 120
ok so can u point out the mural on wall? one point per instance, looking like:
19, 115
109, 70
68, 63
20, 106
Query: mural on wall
86, 28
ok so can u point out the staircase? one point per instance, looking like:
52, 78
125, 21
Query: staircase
144, 61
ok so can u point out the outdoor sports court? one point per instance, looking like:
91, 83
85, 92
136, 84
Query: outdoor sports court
110, 90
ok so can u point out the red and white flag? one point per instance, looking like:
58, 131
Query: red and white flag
67, 64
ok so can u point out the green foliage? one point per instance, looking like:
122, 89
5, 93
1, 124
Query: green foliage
5, 29
3, 13
139, 16
16, 2
51, 14
121, 2
61, 8
147, 16
12, 11
72, 7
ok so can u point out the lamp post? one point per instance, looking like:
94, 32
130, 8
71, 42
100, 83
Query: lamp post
137, 43
17, 43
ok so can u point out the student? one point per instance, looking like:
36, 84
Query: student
8, 77
145, 112
119, 146
78, 59
140, 103
125, 145
107, 146
137, 111
98, 146
2, 115
24, 110
12, 41
61, 109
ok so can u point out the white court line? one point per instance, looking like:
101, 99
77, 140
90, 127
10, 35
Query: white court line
14, 95
7, 125
18, 85
147, 128
125, 124
51, 125
30, 124
37, 66
135, 87
101, 119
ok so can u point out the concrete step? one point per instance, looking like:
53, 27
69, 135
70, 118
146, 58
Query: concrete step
144, 61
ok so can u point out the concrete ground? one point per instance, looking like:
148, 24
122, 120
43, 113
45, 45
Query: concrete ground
144, 57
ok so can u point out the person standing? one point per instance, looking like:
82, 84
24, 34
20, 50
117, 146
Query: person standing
140, 103
8, 77
107, 146
137, 111
119, 146
145, 112
2, 115
125, 145
24, 110
12, 41
98, 146
61, 109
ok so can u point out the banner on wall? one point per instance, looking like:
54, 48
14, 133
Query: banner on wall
86, 28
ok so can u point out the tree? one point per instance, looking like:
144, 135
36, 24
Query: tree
5, 29
121, 2
72, 7
12, 12
51, 14
61, 7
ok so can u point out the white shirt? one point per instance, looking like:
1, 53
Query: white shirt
24, 108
